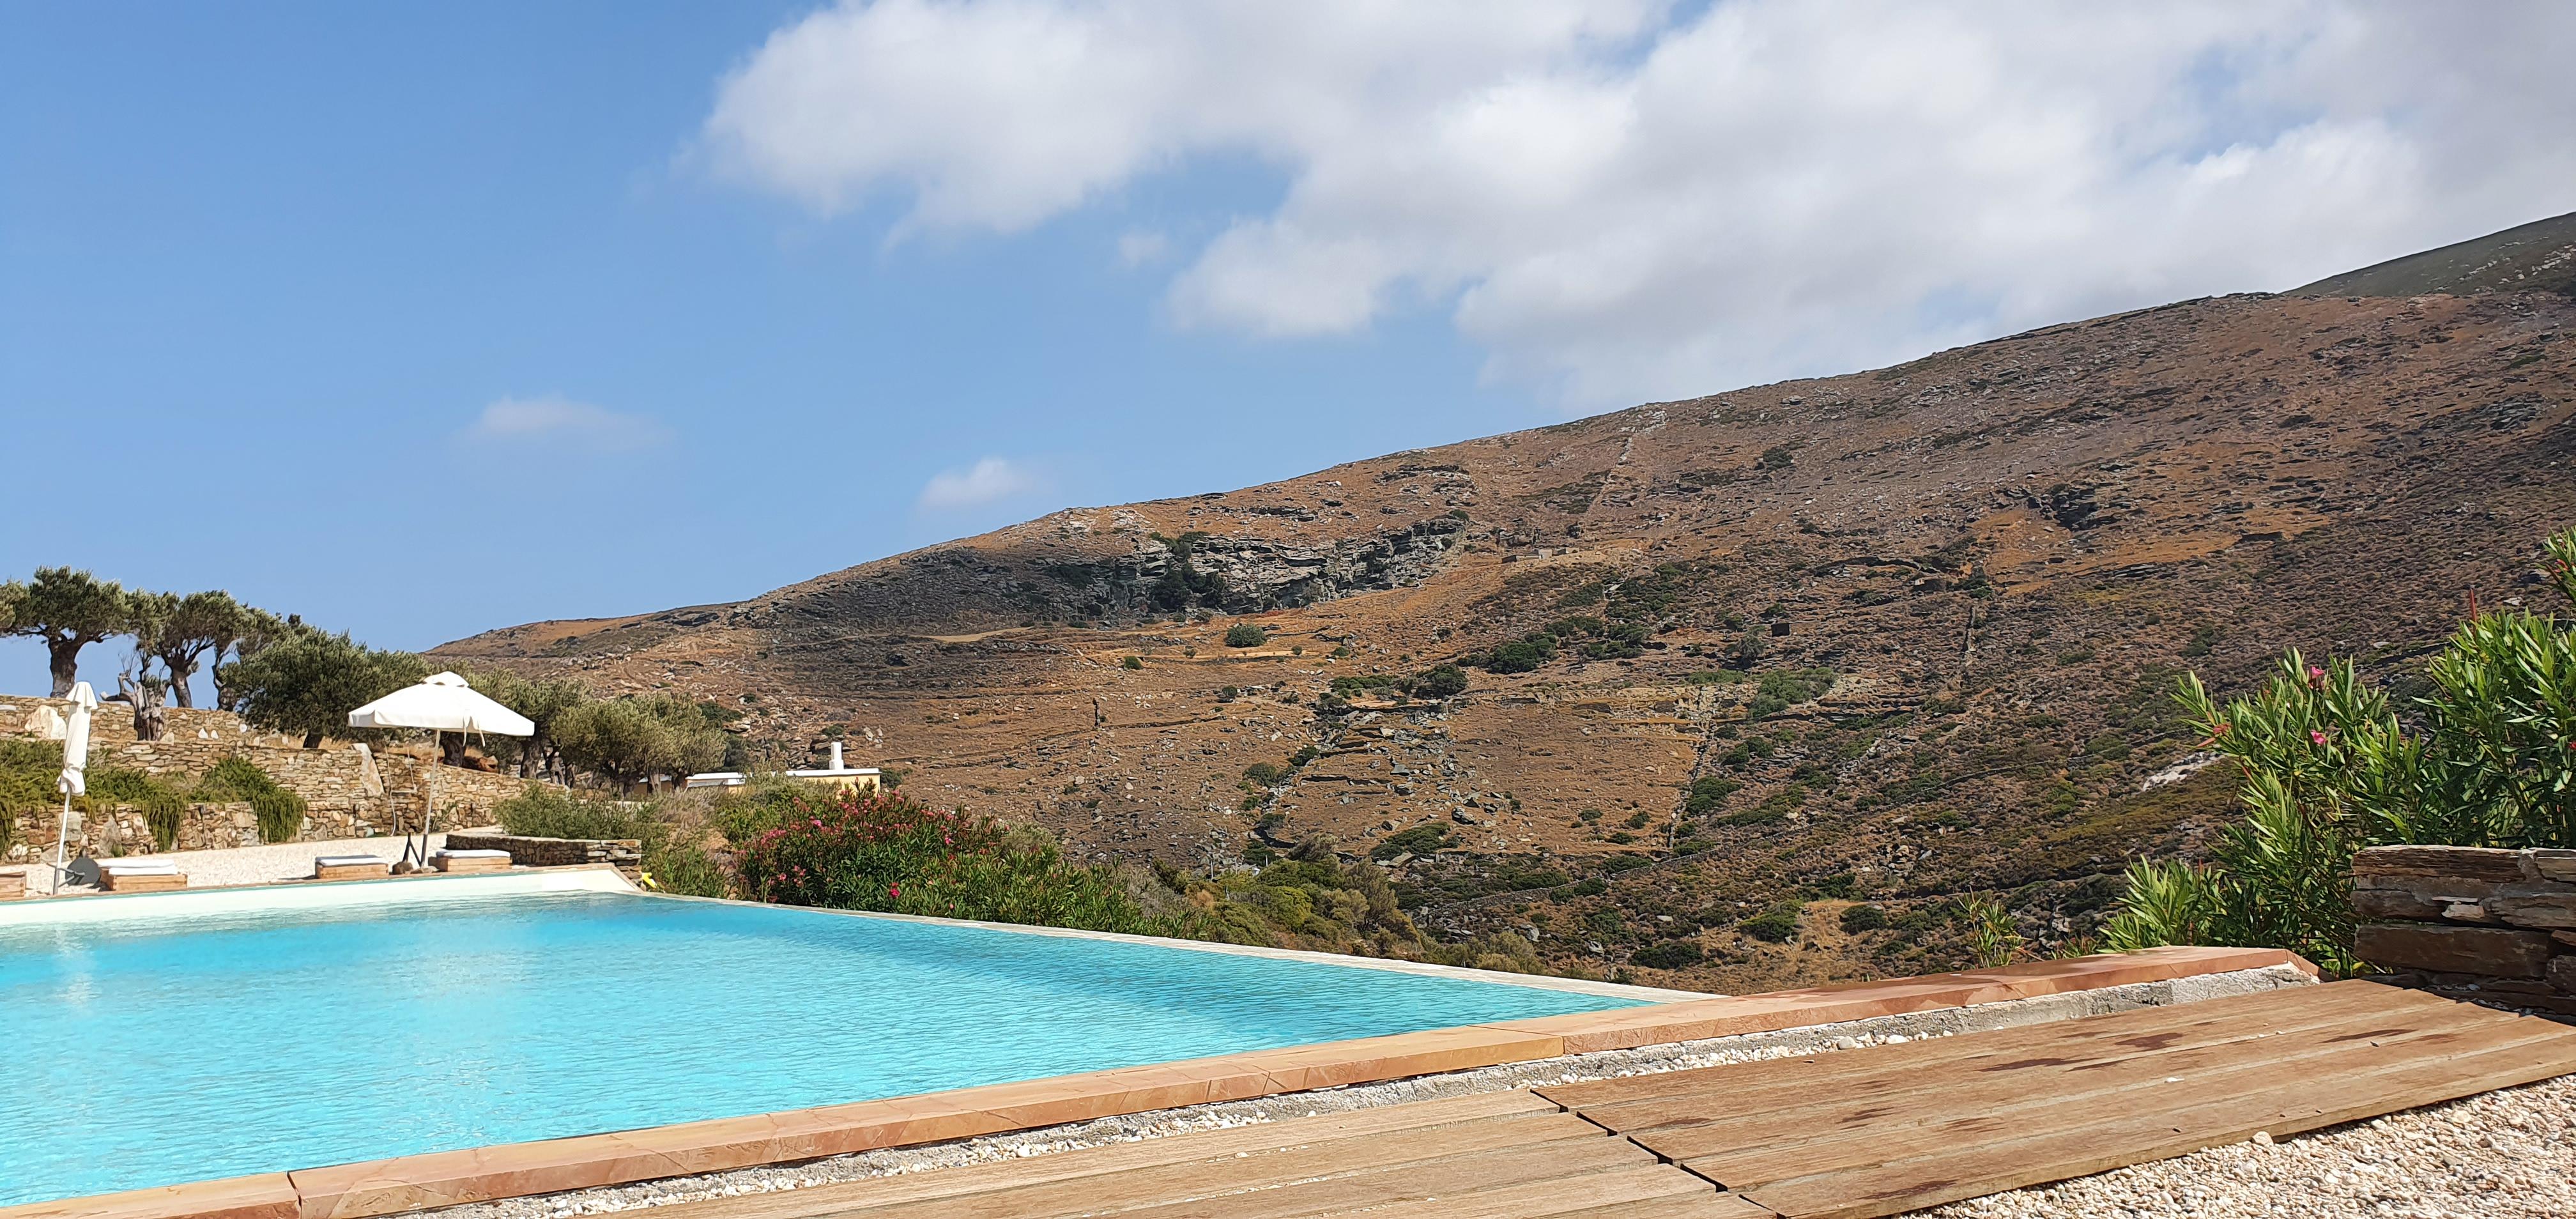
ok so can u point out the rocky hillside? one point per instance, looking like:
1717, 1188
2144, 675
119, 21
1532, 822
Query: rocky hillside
1736, 664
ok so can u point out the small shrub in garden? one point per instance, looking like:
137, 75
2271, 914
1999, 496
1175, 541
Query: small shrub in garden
280, 812
887, 853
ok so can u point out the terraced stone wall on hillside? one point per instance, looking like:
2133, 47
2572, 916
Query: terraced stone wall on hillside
348, 793
2492, 926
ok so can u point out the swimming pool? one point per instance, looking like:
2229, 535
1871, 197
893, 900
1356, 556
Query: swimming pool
221, 1041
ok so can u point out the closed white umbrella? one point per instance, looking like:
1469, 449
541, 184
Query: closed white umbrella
442, 703
75, 776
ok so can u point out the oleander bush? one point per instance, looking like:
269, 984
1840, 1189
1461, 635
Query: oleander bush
2329, 763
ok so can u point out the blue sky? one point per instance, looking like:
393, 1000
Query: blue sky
261, 270
423, 319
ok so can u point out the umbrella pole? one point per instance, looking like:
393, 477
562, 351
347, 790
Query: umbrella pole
62, 843
430, 814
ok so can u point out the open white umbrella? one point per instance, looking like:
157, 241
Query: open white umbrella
442, 703
75, 776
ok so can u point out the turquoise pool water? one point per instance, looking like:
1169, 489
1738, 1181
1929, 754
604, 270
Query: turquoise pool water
146, 1052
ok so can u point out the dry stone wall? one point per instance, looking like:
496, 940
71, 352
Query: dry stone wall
528, 852
348, 792
2494, 926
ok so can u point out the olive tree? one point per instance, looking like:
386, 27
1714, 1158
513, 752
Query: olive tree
308, 682
69, 610
543, 702
197, 628
630, 740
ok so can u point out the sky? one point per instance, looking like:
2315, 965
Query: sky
422, 319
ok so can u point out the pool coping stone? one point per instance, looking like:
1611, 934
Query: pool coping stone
481, 1174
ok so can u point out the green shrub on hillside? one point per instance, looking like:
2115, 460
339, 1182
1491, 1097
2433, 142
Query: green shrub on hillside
1857, 919
1773, 925
1440, 681
1780, 691
1246, 635
1670, 954
1419, 840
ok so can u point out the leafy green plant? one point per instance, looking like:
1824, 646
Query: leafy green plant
1992, 941
1246, 635
280, 812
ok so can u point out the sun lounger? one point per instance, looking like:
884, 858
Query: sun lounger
149, 877
350, 867
13, 885
471, 861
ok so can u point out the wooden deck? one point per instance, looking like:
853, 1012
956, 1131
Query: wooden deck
1848, 1135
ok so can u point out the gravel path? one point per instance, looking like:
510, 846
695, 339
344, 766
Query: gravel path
2503, 1155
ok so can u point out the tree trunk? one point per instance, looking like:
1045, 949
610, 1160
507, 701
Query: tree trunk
63, 655
145, 695
182, 667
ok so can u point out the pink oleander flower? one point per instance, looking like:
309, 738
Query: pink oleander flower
2316, 736
894, 890
2316, 677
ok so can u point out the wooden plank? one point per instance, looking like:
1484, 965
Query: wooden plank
1617, 1192
1710, 1206
1995, 1090
1793, 1076
853, 1196
1447, 1159
1921, 1172
1721, 1093
1555, 1164
1740, 1166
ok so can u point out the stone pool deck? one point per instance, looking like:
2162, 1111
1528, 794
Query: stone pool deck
408, 1183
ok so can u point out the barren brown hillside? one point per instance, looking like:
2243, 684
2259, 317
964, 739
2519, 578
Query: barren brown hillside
2003, 554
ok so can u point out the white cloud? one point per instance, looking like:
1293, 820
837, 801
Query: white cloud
1137, 248
987, 481
1629, 201
555, 421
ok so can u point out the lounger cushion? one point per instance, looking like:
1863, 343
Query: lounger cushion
476, 854
348, 861
140, 869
